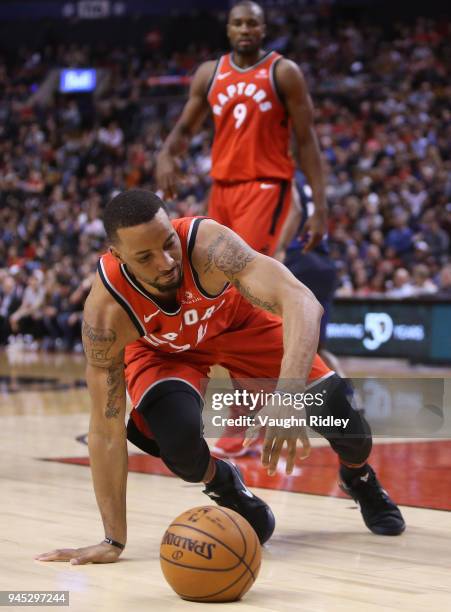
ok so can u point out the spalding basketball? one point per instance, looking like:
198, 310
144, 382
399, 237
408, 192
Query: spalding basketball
210, 554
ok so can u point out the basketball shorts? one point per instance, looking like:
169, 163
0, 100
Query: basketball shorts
250, 348
255, 210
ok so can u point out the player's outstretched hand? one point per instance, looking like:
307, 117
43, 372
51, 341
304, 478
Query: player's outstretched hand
314, 230
166, 176
276, 436
99, 553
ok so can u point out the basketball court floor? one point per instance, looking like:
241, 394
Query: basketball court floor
321, 557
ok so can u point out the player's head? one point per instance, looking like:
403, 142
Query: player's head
141, 236
246, 27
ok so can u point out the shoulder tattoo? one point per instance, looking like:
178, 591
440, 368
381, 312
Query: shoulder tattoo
228, 254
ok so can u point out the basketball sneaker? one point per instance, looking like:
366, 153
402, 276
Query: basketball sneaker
380, 514
228, 489
233, 447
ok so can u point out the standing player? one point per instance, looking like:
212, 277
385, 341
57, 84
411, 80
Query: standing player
257, 98
168, 302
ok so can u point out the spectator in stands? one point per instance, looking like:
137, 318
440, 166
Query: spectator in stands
422, 284
400, 237
27, 318
382, 100
401, 286
444, 290
10, 296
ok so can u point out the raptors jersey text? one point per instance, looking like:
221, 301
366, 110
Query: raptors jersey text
252, 130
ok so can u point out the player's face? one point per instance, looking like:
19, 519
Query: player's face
245, 29
152, 253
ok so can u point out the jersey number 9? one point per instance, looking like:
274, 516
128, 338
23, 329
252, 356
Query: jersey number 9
239, 112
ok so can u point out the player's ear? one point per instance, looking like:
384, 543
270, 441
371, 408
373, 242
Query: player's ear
115, 253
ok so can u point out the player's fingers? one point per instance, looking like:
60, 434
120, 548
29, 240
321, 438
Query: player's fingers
306, 446
267, 446
172, 191
313, 241
63, 554
79, 561
167, 188
291, 455
250, 435
275, 455
254, 431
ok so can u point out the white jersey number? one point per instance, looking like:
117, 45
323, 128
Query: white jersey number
239, 112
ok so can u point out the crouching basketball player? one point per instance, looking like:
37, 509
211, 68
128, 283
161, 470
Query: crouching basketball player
170, 300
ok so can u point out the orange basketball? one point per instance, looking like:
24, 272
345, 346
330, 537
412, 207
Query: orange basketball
210, 554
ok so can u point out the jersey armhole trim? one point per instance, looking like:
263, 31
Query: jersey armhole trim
274, 85
213, 77
120, 300
191, 242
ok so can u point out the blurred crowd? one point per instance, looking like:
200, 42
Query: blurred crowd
383, 120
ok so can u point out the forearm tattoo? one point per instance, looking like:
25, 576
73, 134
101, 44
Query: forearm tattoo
115, 389
97, 343
228, 255
246, 293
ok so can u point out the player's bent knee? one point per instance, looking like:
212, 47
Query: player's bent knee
172, 412
191, 463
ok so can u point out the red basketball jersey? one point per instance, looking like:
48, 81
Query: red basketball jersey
252, 129
196, 316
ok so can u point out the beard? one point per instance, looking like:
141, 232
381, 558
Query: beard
245, 50
172, 286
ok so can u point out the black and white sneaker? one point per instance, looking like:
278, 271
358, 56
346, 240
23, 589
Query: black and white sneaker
380, 514
228, 489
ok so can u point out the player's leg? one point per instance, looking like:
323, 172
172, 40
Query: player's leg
167, 422
219, 203
255, 352
353, 444
259, 211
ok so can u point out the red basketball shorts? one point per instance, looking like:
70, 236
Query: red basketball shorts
252, 347
255, 210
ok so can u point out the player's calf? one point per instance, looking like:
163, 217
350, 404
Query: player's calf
353, 447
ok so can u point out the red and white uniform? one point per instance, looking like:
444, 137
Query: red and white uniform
251, 164
202, 330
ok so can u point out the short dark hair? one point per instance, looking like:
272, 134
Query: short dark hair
130, 208
249, 4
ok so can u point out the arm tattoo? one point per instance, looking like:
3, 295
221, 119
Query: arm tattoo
115, 388
228, 255
97, 343
253, 299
